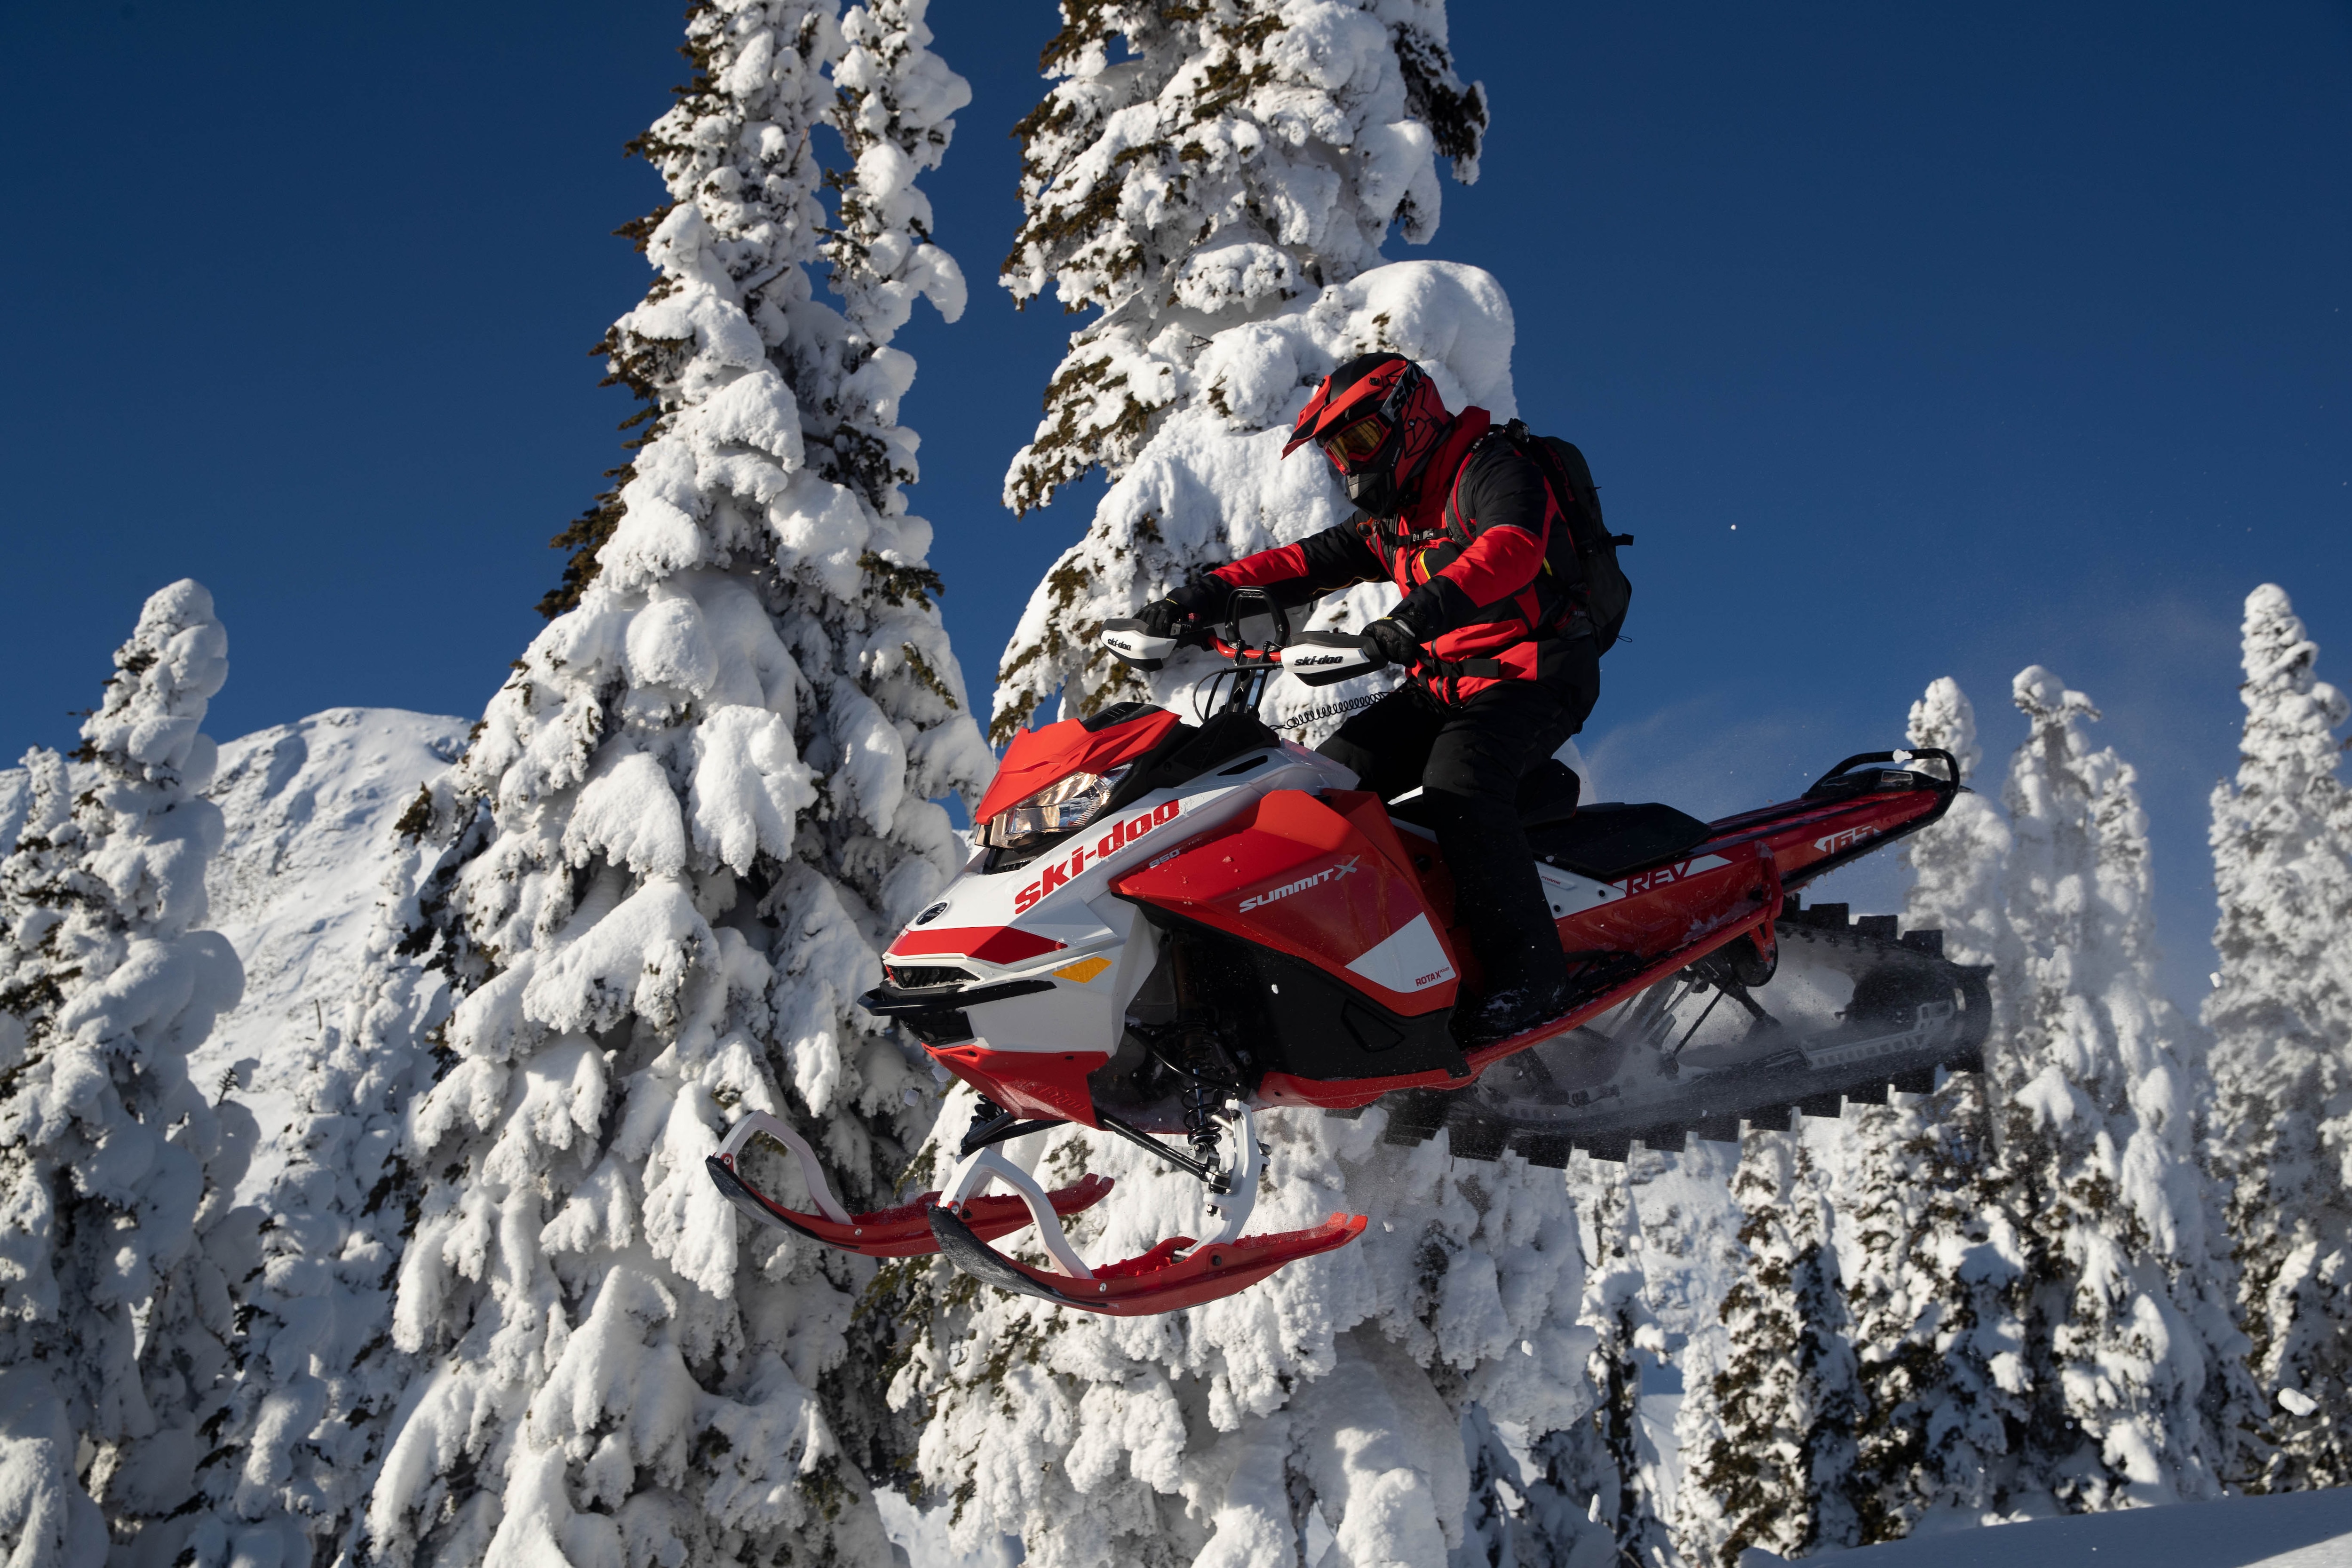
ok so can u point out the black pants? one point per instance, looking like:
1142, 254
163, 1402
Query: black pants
1469, 759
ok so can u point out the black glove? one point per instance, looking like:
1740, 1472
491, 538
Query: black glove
1162, 618
1387, 642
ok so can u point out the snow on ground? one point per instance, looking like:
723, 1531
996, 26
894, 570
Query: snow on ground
2295, 1529
2300, 1530
309, 808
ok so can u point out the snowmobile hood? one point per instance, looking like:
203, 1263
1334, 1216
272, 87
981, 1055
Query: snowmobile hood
1039, 758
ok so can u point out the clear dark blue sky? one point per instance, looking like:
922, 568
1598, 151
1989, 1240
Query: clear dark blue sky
2003, 334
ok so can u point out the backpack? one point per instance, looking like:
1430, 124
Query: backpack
1590, 553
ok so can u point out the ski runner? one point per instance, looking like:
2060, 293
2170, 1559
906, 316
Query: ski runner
1502, 663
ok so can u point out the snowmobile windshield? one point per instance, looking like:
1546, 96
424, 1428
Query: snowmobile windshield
1063, 806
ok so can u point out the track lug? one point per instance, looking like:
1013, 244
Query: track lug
1476, 1140
1717, 1129
1867, 1094
1770, 1118
1916, 1080
1544, 1148
1414, 1117
1825, 1106
1667, 1138
1610, 1146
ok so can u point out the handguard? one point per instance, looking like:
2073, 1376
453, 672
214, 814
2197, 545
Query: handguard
901, 1232
1326, 658
1126, 638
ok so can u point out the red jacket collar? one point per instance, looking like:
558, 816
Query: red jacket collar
1427, 512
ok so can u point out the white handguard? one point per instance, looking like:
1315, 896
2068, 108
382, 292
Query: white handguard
1324, 658
1135, 646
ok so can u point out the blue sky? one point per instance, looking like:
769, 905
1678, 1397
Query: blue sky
2002, 334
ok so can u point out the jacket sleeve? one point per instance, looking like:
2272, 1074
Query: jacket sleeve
1295, 573
1509, 515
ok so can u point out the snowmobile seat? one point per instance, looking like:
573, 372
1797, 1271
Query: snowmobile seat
1548, 795
1607, 840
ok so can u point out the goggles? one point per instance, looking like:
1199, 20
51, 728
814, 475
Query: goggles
1356, 443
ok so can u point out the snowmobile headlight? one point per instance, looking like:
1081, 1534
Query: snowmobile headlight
1060, 807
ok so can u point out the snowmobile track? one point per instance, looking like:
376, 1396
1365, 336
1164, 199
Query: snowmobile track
1893, 972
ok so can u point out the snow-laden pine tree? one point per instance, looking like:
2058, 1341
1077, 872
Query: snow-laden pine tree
297, 1445
1346, 1399
1932, 1255
1934, 1295
1214, 180
1768, 1437
2122, 1300
1218, 193
691, 817
118, 1241
2282, 1021
1599, 1476
1960, 863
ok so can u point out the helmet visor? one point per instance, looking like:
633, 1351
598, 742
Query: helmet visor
1356, 444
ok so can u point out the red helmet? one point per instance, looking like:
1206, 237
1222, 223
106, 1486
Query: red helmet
1377, 418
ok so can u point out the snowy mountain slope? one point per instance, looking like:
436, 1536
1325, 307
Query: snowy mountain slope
2288, 1530
309, 808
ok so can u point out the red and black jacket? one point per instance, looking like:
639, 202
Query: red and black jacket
1472, 555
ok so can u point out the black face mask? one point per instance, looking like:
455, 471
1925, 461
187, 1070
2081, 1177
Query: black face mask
1374, 490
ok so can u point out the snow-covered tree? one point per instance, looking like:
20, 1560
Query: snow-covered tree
1216, 196
1219, 194
1929, 1243
2282, 1020
690, 820
1959, 865
296, 1447
1769, 1439
2097, 1106
1933, 1294
1344, 1399
118, 1241
1599, 1476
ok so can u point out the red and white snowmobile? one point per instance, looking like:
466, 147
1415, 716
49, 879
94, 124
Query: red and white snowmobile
1168, 927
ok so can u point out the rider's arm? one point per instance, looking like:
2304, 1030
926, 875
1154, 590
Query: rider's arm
1509, 515
1299, 574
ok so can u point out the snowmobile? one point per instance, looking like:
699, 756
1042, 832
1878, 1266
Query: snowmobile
1168, 927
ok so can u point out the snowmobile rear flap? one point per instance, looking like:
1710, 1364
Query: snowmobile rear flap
1606, 841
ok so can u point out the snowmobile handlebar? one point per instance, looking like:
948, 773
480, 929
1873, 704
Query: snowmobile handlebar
1255, 635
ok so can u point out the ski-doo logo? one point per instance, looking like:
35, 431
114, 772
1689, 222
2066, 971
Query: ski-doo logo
1846, 839
1329, 874
1120, 835
1319, 662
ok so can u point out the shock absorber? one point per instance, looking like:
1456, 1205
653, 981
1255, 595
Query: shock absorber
1198, 1095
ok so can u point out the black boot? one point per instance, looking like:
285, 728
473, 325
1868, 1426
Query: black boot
1499, 903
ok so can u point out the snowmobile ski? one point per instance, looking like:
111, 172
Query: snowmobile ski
904, 1231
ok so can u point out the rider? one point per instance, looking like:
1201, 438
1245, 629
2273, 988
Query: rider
1502, 661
